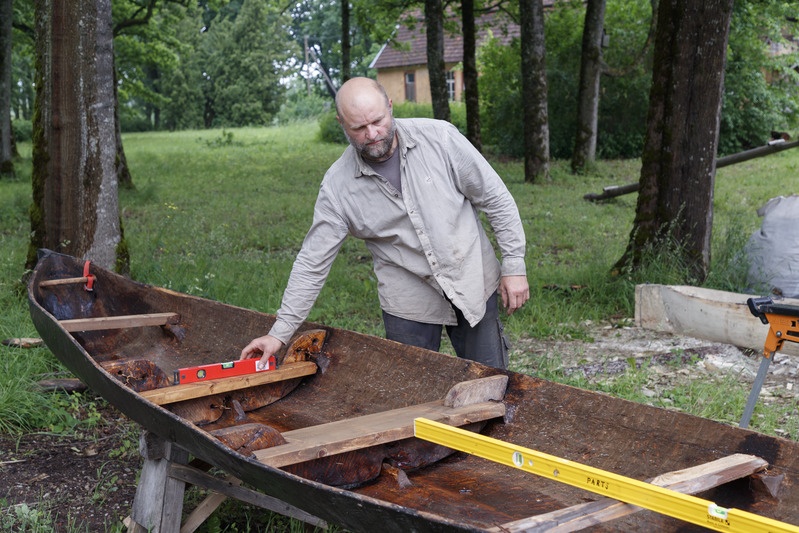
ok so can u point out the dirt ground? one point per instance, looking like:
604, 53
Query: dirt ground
69, 482
87, 481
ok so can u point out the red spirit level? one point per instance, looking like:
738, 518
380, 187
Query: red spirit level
194, 374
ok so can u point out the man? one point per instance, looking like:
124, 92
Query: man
412, 189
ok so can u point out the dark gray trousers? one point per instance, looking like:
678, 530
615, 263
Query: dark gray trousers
485, 342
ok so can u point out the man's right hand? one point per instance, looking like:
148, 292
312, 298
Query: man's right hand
263, 347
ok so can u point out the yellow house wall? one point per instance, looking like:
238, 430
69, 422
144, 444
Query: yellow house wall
393, 80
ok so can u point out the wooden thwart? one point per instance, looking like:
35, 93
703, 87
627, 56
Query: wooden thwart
688, 481
120, 322
466, 402
63, 281
177, 393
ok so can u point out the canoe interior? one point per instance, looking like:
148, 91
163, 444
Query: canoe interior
360, 375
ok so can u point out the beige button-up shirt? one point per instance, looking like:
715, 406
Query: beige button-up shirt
426, 242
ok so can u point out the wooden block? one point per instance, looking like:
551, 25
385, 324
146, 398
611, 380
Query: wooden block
477, 390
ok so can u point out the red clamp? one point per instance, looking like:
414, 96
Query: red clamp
89, 278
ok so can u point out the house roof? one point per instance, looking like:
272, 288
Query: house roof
408, 46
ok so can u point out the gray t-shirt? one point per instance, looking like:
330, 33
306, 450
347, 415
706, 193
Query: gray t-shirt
389, 169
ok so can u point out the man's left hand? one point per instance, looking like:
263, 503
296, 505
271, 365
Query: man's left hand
514, 292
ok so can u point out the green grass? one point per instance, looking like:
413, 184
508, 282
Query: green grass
221, 214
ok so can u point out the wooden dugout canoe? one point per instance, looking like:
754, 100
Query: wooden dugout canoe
125, 340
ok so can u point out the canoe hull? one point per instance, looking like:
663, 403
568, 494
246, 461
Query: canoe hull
362, 375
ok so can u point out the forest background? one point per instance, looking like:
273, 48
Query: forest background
207, 64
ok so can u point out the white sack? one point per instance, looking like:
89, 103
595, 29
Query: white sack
773, 250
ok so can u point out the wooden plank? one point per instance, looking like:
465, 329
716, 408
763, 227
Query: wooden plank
202, 512
232, 488
188, 391
475, 404
369, 430
119, 322
713, 315
687, 481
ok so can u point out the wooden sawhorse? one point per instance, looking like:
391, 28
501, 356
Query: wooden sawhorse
158, 504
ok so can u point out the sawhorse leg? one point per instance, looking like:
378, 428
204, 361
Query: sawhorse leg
158, 505
755, 393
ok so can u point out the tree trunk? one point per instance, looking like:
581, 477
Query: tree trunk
346, 70
588, 99
6, 152
434, 22
471, 93
534, 91
674, 214
75, 207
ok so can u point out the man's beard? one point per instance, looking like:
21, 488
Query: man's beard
379, 151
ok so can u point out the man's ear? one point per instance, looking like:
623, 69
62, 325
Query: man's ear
338, 118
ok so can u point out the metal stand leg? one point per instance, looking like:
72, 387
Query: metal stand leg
750, 403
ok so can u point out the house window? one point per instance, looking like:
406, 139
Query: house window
451, 85
410, 87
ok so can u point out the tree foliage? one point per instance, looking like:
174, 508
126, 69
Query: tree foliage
224, 63
318, 24
244, 60
762, 84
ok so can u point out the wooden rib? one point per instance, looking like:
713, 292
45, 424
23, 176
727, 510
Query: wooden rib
688, 481
119, 322
188, 391
62, 281
369, 430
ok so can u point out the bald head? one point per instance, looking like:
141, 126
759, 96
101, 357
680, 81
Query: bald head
359, 92
364, 111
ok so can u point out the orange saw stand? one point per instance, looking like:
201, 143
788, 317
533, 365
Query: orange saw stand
783, 321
